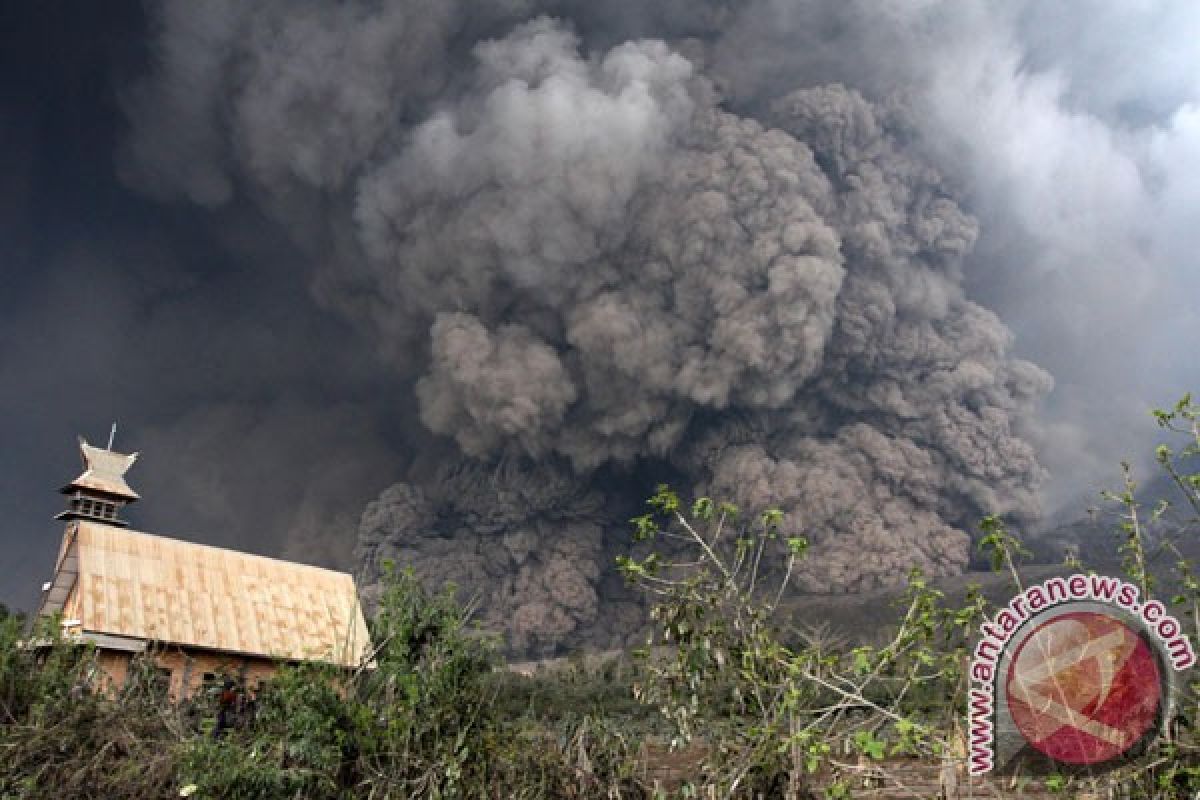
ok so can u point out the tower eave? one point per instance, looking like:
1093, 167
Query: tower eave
67, 516
96, 487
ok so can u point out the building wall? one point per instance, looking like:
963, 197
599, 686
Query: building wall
112, 668
187, 669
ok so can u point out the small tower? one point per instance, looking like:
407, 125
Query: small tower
101, 491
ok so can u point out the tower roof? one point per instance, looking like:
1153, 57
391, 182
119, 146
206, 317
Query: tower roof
103, 471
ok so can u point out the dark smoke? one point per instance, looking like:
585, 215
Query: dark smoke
597, 255
527, 543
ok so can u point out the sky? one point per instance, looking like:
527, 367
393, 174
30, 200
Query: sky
249, 408
198, 216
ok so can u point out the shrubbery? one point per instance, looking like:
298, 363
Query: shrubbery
425, 719
59, 740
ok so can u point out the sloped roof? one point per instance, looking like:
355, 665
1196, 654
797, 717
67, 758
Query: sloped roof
133, 584
104, 471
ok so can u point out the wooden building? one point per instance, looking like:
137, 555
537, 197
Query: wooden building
202, 611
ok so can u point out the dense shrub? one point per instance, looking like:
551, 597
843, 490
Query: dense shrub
429, 717
60, 739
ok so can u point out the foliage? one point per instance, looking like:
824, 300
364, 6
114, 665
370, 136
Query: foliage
776, 713
419, 721
779, 710
1173, 768
558, 695
58, 738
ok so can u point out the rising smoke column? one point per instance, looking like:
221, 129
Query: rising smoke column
586, 265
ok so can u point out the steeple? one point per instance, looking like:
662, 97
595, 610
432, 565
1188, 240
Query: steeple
101, 491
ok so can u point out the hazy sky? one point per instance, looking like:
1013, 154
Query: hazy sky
256, 412
154, 273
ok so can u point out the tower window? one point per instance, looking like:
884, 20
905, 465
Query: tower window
95, 508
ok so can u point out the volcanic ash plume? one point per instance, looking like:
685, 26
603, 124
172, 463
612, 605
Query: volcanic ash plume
524, 542
590, 270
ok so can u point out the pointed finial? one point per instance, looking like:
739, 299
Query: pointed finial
112, 435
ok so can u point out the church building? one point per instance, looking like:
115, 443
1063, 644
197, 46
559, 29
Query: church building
202, 612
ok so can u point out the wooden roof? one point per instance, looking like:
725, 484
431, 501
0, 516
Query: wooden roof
126, 583
104, 471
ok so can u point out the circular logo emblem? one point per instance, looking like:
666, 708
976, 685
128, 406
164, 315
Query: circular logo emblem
1084, 688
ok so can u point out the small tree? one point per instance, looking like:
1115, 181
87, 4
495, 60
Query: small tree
777, 712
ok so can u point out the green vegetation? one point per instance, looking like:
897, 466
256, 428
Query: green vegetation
730, 692
430, 718
792, 715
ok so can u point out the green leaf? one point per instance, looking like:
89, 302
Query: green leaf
664, 500
771, 518
645, 527
867, 744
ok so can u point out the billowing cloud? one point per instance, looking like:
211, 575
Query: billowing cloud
728, 244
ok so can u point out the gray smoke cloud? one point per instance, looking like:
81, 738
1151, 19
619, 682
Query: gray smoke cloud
525, 542
723, 243
1071, 129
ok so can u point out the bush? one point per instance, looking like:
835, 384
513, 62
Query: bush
59, 738
425, 719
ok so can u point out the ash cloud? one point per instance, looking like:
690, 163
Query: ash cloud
774, 251
525, 541
1071, 132
588, 265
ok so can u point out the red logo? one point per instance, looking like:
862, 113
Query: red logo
1084, 688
